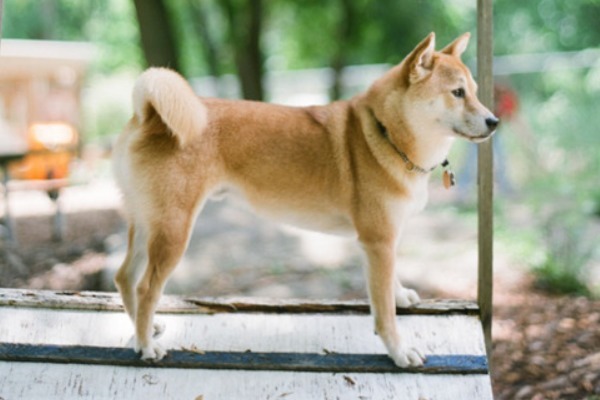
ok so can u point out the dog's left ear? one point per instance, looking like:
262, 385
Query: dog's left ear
459, 45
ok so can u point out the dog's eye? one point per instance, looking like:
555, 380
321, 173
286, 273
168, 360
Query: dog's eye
459, 93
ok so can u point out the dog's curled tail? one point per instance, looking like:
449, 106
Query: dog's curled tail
166, 93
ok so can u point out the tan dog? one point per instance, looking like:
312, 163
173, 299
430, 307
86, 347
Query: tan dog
359, 166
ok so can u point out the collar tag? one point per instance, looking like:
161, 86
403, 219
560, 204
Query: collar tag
448, 178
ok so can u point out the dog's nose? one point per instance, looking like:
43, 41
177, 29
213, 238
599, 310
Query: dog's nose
492, 123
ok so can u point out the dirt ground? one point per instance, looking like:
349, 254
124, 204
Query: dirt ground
545, 347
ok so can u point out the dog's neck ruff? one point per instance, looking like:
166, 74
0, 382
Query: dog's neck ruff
411, 166
448, 177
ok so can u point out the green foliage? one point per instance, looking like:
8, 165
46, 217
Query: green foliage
113, 28
305, 34
192, 57
555, 276
546, 25
561, 159
302, 34
110, 24
569, 249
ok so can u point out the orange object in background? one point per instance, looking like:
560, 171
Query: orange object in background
40, 103
51, 149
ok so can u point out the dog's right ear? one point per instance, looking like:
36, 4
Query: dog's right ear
457, 47
421, 59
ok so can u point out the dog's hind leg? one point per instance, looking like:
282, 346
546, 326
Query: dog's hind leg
129, 272
167, 240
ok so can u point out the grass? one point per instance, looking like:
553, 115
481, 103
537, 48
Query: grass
559, 278
556, 245
569, 248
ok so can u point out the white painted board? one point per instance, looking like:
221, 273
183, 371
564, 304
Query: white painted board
259, 332
307, 333
34, 381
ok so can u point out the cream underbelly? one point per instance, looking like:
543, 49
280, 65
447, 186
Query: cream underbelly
315, 221
312, 217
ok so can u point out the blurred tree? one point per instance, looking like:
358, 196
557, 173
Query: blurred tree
546, 25
228, 35
346, 33
157, 37
245, 19
338, 33
200, 22
117, 41
248, 36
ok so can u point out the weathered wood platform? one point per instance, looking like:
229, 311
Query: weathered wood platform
60, 345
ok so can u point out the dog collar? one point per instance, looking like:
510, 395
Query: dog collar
448, 176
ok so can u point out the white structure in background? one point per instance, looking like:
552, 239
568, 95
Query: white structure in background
296, 88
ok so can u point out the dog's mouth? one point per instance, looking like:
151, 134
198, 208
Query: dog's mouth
471, 138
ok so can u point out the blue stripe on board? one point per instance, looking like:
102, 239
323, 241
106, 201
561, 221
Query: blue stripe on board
307, 362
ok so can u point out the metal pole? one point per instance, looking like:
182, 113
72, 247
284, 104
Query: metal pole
485, 170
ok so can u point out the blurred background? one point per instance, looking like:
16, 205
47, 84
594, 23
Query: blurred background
67, 68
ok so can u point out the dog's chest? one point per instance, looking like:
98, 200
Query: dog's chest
420, 197
405, 207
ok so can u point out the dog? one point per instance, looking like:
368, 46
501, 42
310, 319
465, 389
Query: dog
357, 167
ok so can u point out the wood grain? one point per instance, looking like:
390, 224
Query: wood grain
66, 335
239, 332
32, 381
485, 168
102, 301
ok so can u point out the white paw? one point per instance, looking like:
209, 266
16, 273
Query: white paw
406, 297
153, 351
408, 357
159, 329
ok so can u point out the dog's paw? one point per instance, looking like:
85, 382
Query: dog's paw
408, 357
159, 329
152, 352
406, 297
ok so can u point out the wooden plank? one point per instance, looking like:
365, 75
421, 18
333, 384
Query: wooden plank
485, 165
427, 307
239, 332
102, 301
65, 382
249, 361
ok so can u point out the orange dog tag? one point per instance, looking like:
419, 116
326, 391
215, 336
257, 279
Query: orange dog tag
448, 179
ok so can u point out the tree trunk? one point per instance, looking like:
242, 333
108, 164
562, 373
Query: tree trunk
210, 46
345, 35
158, 39
245, 26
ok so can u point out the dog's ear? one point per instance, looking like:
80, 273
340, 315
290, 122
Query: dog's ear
459, 45
421, 59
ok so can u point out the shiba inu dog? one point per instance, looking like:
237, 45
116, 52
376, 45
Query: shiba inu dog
357, 167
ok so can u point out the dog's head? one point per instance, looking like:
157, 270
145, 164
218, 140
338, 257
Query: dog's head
434, 92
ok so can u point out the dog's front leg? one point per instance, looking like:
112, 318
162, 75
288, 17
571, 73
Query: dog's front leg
381, 285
